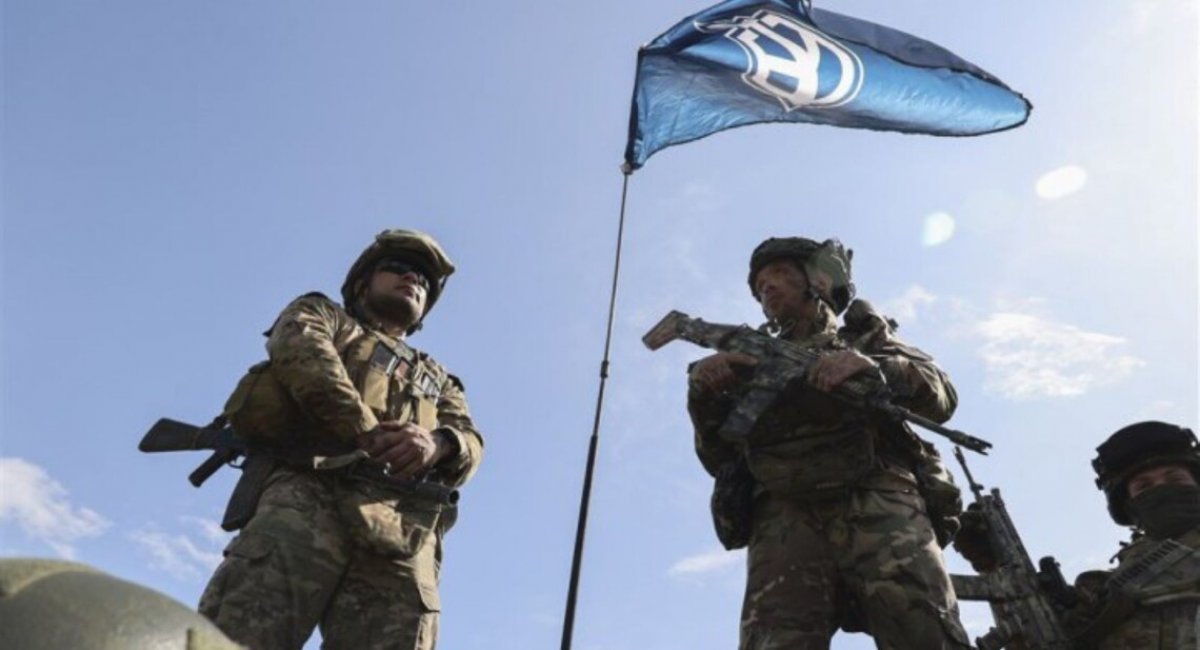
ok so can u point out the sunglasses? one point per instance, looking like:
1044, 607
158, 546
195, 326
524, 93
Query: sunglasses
400, 267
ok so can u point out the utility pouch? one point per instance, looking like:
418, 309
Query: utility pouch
943, 499
732, 504
260, 408
244, 500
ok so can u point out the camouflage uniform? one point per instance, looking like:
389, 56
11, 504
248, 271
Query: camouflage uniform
841, 536
353, 556
1143, 626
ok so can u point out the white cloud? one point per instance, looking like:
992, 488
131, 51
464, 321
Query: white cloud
178, 555
938, 229
40, 506
1064, 181
904, 307
1026, 356
706, 562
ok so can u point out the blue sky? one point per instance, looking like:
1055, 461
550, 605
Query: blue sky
175, 172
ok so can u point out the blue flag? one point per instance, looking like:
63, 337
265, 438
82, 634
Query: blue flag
748, 61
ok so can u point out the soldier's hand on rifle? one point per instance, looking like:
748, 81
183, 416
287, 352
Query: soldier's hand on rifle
972, 540
832, 369
405, 449
719, 372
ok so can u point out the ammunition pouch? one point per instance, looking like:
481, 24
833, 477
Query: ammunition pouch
732, 504
935, 483
260, 409
943, 498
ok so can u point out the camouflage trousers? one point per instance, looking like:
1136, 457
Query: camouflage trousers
868, 561
347, 556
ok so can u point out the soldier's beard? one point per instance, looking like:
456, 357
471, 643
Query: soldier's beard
394, 310
1167, 510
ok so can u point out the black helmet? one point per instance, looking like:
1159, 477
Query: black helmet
827, 266
1135, 448
55, 604
412, 246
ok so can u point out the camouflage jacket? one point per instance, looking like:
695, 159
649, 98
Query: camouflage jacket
1105, 620
807, 444
310, 349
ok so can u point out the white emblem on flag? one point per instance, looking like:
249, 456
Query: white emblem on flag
785, 60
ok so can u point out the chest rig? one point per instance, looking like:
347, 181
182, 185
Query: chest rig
1162, 572
392, 379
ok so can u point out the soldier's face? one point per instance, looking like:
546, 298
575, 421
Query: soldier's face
398, 297
782, 289
1160, 475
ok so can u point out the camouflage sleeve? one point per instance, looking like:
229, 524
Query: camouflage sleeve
916, 381
306, 361
455, 420
707, 413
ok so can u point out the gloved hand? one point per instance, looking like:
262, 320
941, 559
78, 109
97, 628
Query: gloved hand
972, 540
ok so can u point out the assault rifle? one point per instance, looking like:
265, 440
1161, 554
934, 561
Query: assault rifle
779, 362
173, 435
1025, 601
258, 462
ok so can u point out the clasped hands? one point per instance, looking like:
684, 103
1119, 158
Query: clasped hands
406, 449
717, 373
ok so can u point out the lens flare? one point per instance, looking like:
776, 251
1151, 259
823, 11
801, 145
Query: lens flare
939, 228
1064, 181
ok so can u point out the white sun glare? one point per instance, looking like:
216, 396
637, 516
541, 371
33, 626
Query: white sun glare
1064, 181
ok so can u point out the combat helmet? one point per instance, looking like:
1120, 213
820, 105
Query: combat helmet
413, 246
55, 604
826, 264
1135, 448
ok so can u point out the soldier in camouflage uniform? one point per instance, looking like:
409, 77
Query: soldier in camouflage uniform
356, 419
840, 532
1149, 473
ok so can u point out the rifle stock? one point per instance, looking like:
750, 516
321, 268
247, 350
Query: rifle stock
173, 435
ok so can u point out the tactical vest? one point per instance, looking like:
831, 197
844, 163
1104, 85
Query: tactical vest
1151, 599
792, 455
393, 380
1162, 572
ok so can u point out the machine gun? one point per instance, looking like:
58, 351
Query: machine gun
1025, 601
779, 363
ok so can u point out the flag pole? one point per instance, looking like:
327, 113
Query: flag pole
585, 498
